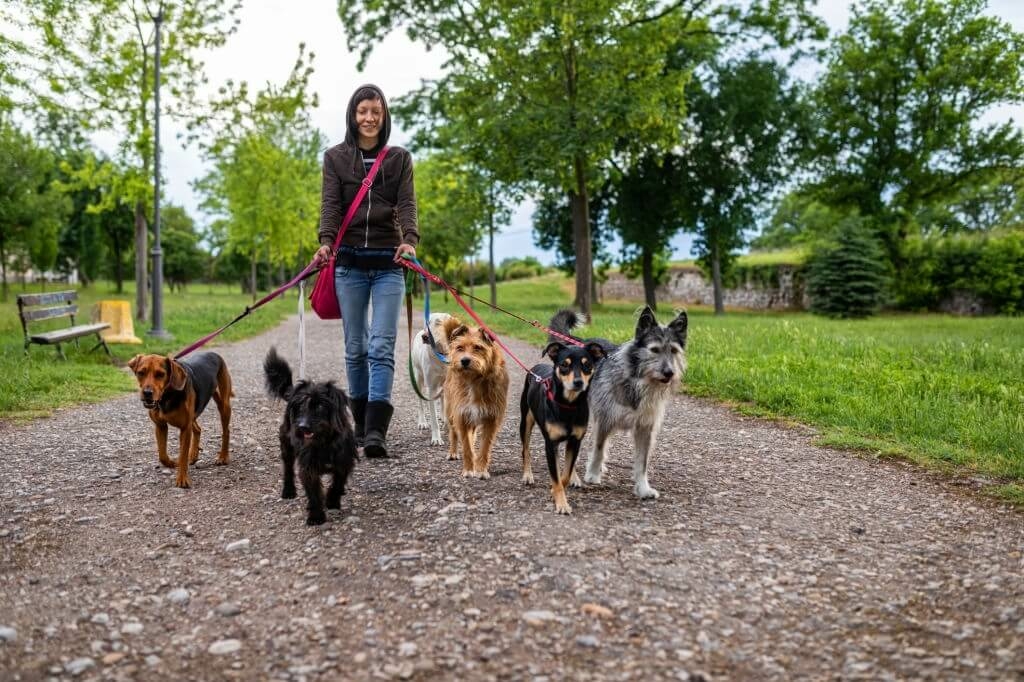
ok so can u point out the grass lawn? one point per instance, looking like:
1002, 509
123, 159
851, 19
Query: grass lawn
942, 391
33, 386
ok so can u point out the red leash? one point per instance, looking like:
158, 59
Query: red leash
309, 270
423, 272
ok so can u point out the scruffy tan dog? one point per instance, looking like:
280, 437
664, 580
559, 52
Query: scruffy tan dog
475, 395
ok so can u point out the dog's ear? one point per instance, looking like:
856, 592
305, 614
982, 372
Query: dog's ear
134, 362
486, 337
177, 378
458, 331
646, 322
339, 405
553, 349
678, 328
595, 350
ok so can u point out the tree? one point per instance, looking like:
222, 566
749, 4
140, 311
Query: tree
647, 217
31, 208
798, 220
846, 274
184, 260
264, 188
553, 230
552, 86
900, 107
453, 203
743, 116
97, 59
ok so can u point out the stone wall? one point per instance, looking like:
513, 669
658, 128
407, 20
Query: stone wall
687, 285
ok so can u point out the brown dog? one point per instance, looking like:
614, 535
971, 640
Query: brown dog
475, 394
176, 393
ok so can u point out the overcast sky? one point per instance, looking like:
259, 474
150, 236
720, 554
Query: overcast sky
264, 50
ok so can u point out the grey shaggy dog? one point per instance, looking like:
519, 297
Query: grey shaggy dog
631, 388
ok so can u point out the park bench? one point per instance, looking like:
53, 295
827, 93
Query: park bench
58, 304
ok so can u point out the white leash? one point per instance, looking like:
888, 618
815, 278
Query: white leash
302, 330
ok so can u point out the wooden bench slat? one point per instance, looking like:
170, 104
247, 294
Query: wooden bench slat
49, 313
61, 335
47, 299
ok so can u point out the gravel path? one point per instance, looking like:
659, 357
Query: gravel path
765, 557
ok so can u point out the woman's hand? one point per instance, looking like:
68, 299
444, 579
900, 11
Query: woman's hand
323, 254
404, 249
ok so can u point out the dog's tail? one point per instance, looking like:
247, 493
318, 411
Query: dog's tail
278, 375
564, 321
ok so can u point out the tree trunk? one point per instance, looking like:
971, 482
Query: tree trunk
119, 265
252, 276
581, 236
491, 274
716, 281
141, 276
647, 269
3, 266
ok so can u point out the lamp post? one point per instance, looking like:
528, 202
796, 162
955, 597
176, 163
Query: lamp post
158, 256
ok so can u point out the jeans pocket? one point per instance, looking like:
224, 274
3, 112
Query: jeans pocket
341, 272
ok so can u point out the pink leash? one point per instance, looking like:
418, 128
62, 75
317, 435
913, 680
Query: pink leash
306, 272
416, 267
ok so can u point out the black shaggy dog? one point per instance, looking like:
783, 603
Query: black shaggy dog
316, 430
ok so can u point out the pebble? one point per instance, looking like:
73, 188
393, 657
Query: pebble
179, 596
538, 617
131, 628
238, 545
113, 657
228, 609
588, 641
8, 634
407, 649
78, 666
224, 646
100, 619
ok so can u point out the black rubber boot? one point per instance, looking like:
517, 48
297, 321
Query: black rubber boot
359, 416
378, 418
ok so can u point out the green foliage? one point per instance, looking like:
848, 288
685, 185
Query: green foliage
900, 111
264, 188
520, 268
184, 261
31, 208
988, 267
846, 275
743, 115
453, 202
797, 221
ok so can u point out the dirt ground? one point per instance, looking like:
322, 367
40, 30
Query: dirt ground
765, 557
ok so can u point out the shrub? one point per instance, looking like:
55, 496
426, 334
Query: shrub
846, 275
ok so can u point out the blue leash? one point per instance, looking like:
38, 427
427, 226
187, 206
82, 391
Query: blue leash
426, 314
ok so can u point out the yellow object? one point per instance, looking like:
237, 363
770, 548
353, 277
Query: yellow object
119, 315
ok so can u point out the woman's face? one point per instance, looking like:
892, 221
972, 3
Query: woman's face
369, 118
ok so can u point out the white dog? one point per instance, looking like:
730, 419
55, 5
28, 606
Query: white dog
429, 371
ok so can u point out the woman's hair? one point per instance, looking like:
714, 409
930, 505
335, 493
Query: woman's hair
364, 93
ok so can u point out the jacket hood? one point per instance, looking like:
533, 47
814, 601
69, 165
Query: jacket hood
351, 131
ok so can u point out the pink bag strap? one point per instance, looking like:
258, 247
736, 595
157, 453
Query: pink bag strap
363, 189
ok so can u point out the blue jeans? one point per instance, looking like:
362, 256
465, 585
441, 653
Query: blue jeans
370, 344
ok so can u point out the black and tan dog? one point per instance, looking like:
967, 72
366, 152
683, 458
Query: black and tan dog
316, 431
176, 393
559, 406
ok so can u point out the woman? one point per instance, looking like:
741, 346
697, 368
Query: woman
368, 273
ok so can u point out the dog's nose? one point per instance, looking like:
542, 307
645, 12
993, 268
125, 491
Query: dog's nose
577, 384
668, 374
465, 362
147, 393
